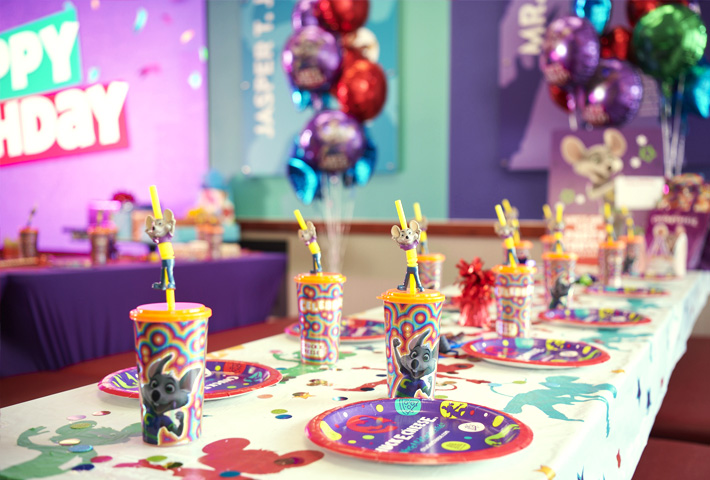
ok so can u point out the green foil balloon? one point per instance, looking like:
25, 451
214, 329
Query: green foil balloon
669, 40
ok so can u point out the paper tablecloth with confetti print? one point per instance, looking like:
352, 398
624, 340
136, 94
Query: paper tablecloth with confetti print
588, 423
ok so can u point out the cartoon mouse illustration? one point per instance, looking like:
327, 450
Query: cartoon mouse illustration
598, 163
161, 230
310, 238
559, 292
414, 366
408, 239
163, 393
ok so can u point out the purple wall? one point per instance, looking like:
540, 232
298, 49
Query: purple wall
477, 181
166, 116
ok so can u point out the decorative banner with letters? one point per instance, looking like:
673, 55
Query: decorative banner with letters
269, 120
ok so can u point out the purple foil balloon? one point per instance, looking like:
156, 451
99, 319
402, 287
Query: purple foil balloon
311, 58
613, 95
304, 14
332, 141
570, 52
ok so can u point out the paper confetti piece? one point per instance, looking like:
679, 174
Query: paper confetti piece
141, 20
186, 36
549, 473
195, 80
203, 54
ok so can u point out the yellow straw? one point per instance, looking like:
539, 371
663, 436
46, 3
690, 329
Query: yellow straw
509, 243
607, 211
157, 211
506, 206
547, 212
400, 214
301, 221
516, 230
417, 212
559, 208
156, 203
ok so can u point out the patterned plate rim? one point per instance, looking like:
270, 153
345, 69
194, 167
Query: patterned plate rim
578, 323
315, 435
274, 377
643, 293
584, 363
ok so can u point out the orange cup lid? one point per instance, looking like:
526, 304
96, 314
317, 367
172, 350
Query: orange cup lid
431, 257
635, 239
159, 313
394, 295
613, 245
518, 269
559, 256
322, 277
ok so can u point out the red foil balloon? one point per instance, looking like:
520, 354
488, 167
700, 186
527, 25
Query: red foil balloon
362, 89
616, 43
563, 98
342, 16
635, 9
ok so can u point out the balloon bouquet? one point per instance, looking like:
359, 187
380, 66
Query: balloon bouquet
330, 55
591, 74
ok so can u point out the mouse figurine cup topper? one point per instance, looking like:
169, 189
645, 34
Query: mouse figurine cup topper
161, 231
408, 239
307, 233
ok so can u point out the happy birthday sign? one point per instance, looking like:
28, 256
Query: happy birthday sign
44, 56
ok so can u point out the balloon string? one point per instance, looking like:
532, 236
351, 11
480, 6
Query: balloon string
665, 131
677, 115
681, 141
578, 105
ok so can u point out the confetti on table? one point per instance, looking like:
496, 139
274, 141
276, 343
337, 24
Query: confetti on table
265, 396
101, 459
157, 458
186, 36
302, 395
549, 473
141, 20
84, 466
101, 413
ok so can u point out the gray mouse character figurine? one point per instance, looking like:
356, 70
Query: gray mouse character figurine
161, 230
420, 362
598, 163
408, 239
310, 238
163, 393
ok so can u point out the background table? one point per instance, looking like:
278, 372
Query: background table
54, 317
590, 422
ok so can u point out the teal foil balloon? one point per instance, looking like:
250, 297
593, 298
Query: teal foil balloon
668, 41
598, 12
696, 98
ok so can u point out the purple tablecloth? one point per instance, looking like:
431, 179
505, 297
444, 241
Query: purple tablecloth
52, 318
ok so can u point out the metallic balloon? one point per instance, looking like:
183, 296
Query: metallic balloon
635, 9
304, 14
311, 58
342, 16
613, 95
563, 98
668, 41
362, 89
598, 12
332, 141
696, 98
570, 52
616, 43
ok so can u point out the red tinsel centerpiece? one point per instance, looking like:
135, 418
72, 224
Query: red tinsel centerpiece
476, 293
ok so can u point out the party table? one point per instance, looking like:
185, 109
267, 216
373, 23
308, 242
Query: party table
54, 317
590, 422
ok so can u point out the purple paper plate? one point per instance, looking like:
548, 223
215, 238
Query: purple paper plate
353, 330
535, 352
597, 318
633, 292
227, 378
414, 431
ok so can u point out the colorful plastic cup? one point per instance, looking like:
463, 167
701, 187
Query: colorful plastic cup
170, 354
559, 278
430, 266
523, 249
548, 243
513, 290
635, 257
611, 262
101, 243
28, 242
320, 305
412, 335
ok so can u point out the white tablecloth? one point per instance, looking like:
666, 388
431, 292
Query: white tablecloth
591, 422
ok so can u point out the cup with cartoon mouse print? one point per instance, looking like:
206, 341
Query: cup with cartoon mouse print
170, 355
412, 341
513, 291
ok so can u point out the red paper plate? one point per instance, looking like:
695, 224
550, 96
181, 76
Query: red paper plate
222, 379
597, 318
535, 352
420, 432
